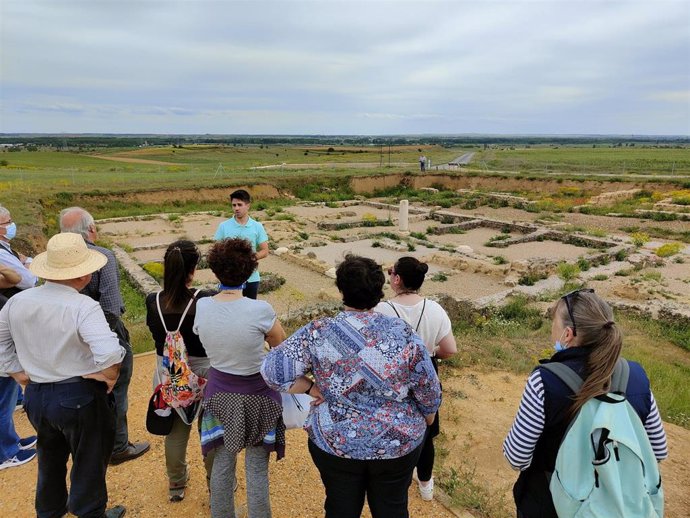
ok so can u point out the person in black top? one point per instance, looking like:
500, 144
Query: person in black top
181, 259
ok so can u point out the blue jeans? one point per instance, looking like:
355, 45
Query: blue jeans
72, 419
121, 388
9, 440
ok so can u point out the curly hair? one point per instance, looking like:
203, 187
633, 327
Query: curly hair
232, 261
360, 280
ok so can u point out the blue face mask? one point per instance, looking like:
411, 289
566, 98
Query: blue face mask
11, 231
558, 346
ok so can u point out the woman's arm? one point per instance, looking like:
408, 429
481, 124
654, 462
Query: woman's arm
275, 335
518, 447
446, 347
655, 432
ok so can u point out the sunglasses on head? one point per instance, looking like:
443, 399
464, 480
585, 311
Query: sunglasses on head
569, 299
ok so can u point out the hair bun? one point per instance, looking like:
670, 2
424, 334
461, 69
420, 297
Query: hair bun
609, 324
423, 268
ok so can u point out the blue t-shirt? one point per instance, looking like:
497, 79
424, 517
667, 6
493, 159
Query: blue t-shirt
253, 232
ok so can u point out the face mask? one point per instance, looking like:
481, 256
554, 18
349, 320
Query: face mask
558, 346
11, 231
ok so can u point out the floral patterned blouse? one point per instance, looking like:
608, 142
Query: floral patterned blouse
376, 377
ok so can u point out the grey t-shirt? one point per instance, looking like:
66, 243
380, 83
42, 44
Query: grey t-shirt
233, 333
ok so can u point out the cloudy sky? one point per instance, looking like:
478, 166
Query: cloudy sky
345, 67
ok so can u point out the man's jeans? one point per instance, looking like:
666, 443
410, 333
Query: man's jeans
9, 440
74, 419
121, 388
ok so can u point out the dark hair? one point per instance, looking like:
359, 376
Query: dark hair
360, 280
242, 195
232, 261
179, 262
411, 272
597, 331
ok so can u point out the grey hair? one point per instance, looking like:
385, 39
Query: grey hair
81, 226
4, 211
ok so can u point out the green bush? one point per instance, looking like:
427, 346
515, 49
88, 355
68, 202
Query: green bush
567, 271
583, 264
499, 259
440, 277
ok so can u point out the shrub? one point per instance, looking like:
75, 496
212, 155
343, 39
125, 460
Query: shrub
499, 259
567, 271
155, 270
621, 255
303, 236
439, 277
418, 235
583, 264
528, 279
669, 249
639, 238
411, 247
270, 282
376, 244
368, 217
600, 277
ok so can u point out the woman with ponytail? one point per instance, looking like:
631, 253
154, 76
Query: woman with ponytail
180, 262
588, 340
430, 321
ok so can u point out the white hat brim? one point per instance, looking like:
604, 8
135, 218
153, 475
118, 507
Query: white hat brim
40, 267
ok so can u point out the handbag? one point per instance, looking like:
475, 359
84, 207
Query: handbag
295, 409
159, 416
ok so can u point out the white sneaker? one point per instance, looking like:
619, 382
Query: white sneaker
22, 457
426, 491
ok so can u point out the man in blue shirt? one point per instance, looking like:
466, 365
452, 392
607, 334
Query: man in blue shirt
242, 226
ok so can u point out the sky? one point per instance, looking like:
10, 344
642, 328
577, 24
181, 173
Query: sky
345, 67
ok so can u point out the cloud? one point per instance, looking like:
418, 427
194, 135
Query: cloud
365, 67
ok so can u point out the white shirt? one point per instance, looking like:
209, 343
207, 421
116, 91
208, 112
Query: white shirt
53, 333
430, 321
7, 258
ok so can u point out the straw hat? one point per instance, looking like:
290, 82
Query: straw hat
67, 257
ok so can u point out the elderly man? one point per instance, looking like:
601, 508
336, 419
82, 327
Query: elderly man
14, 277
8, 257
56, 342
105, 288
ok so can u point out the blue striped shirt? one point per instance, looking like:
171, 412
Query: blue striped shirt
528, 426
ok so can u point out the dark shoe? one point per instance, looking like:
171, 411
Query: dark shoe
133, 450
115, 512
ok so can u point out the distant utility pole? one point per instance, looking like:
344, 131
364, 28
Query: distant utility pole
381, 157
389, 154
219, 170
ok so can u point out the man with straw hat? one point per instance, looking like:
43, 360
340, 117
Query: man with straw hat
58, 344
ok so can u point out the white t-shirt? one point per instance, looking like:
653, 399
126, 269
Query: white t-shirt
427, 318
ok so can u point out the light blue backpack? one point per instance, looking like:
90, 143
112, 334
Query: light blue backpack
605, 467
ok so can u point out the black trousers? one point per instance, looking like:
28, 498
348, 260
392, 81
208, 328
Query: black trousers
76, 419
251, 290
348, 481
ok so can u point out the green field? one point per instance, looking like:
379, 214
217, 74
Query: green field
582, 160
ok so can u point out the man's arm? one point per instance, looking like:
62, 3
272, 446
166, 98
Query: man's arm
28, 279
105, 347
9, 362
8, 277
262, 250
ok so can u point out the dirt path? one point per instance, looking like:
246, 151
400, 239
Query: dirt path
116, 158
141, 485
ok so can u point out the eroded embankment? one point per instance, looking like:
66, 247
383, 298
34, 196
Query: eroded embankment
369, 184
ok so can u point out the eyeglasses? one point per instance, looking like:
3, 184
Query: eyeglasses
8, 222
569, 299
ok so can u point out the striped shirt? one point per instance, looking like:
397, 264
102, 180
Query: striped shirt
528, 426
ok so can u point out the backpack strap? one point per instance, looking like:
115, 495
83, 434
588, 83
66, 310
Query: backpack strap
565, 374
619, 378
189, 305
393, 307
160, 312
184, 314
416, 329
